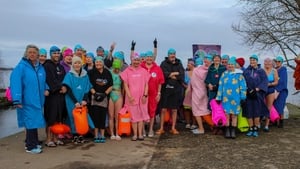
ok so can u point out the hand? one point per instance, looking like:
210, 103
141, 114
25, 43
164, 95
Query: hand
46, 93
155, 43
112, 46
144, 100
63, 89
210, 86
131, 100
19, 106
77, 105
133, 44
99, 97
83, 103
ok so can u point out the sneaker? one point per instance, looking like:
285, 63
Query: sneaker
75, 138
187, 126
249, 133
151, 133
144, 132
197, 131
255, 134
112, 137
80, 139
102, 140
193, 127
34, 151
96, 140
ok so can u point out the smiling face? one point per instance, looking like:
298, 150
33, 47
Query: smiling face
55, 56
77, 66
253, 62
149, 60
172, 57
99, 65
32, 54
136, 62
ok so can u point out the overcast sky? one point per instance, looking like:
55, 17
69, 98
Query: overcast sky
175, 23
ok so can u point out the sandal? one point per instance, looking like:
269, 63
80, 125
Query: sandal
159, 132
50, 144
141, 138
134, 138
174, 131
118, 137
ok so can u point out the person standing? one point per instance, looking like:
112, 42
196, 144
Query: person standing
231, 92
77, 86
55, 102
136, 80
115, 100
272, 75
214, 73
257, 87
171, 90
154, 91
101, 80
187, 102
296, 74
199, 93
281, 87
29, 77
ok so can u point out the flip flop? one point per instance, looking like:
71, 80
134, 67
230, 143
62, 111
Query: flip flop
50, 144
58, 142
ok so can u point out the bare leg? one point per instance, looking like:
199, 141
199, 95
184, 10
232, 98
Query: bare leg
140, 129
174, 118
199, 122
118, 107
111, 111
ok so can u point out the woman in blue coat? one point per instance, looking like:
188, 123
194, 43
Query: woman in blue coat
281, 87
257, 87
28, 89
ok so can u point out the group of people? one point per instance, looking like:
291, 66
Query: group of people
45, 91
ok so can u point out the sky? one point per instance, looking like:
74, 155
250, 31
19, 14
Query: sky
175, 23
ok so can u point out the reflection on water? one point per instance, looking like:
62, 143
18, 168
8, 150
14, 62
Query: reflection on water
8, 123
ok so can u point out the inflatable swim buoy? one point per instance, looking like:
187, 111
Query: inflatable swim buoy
60, 128
274, 115
124, 122
218, 113
81, 120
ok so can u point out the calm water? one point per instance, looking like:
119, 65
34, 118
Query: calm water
8, 123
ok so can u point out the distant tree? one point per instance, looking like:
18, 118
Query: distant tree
270, 25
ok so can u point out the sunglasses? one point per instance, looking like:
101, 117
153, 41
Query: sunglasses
55, 52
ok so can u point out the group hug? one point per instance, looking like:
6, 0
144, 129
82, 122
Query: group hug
45, 91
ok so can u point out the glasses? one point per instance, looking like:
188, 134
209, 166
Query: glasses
55, 52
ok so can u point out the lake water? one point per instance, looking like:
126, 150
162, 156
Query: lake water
294, 99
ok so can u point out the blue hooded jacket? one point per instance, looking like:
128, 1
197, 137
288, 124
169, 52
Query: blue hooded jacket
28, 84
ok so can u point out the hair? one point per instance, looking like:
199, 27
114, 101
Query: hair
217, 56
268, 60
30, 46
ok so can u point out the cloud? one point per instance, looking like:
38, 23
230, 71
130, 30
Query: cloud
177, 24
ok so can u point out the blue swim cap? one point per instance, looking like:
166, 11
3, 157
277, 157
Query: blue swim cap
254, 56
78, 46
119, 55
43, 52
149, 53
54, 49
171, 51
